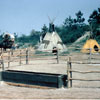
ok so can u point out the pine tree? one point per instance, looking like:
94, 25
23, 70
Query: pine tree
94, 21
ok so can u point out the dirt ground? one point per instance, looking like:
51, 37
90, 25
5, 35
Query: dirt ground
80, 89
12, 92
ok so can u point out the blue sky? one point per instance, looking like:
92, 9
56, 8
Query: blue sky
22, 16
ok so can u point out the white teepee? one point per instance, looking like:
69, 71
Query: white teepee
51, 40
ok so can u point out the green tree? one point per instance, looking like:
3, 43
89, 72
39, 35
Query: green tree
16, 36
34, 37
44, 29
72, 29
94, 21
31, 39
68, 22
79, 18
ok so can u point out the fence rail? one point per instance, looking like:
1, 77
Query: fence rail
70, 71
26, 55
84, 79
23, 55
84, 72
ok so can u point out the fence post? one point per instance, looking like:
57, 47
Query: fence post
8, 59
57, 56
69, 72
2, 61
26, 56
12, 52
70, 66
20, 57
90, 51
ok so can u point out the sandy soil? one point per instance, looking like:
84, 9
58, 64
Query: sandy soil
80, 89
12, 92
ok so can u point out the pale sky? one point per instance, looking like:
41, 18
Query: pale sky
22, 16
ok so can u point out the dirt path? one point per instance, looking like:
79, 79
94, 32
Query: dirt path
80, 90
12, 92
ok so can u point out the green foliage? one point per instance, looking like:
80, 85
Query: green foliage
68, 22
32, 39
69, 31
0, 37
94, 21
16, 36
72, 29
44, 29
79, 19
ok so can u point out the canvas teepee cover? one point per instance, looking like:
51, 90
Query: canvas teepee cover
52, 40
91, 44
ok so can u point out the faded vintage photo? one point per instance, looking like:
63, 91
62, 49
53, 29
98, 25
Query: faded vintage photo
50, 49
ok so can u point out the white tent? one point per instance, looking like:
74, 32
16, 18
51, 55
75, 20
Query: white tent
50, 41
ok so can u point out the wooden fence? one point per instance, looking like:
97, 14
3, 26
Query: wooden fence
27, 54
70, 71
22, 55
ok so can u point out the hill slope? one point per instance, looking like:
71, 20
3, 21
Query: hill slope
79, 42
